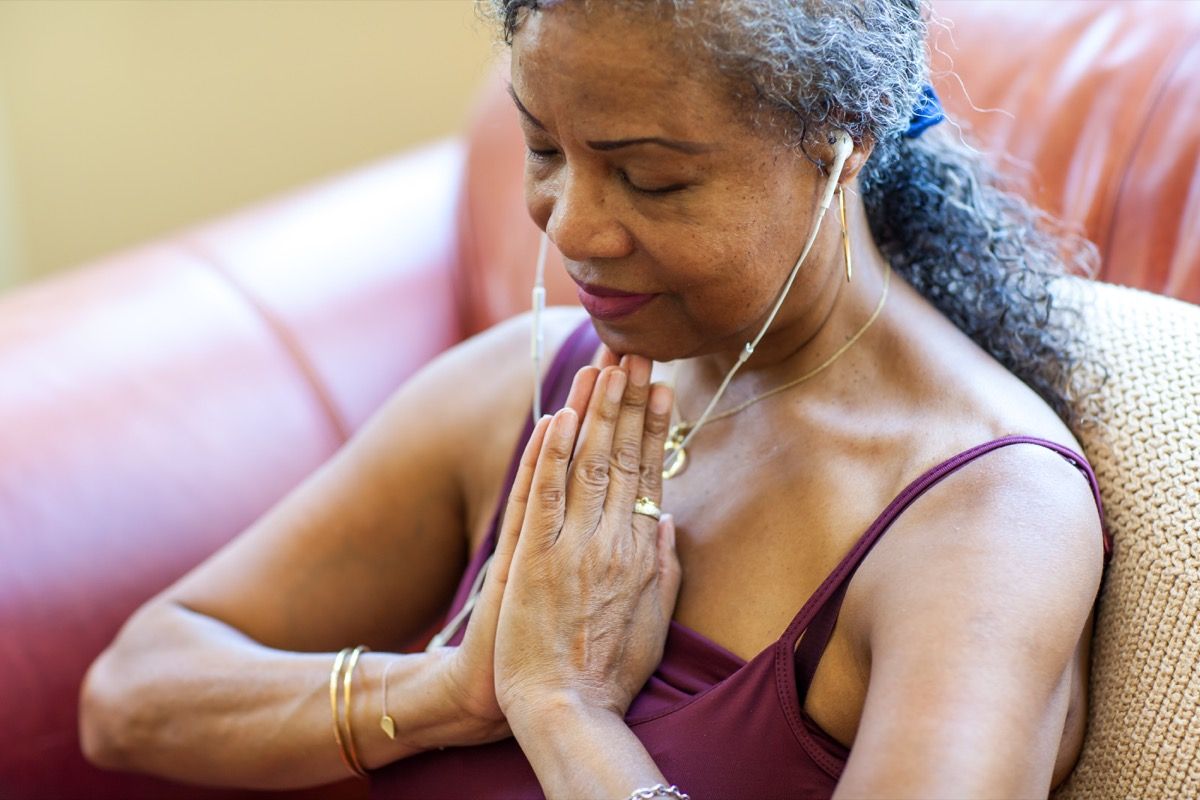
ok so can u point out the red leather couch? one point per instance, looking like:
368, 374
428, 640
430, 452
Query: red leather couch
154, 403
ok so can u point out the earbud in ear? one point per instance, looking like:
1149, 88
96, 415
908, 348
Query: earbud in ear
843, 146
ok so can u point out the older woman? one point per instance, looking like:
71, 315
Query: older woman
880, 534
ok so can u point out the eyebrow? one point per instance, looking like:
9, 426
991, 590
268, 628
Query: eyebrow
691, 148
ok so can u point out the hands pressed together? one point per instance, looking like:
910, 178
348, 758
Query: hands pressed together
578, 597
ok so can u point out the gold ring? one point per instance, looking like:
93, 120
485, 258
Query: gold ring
646, 506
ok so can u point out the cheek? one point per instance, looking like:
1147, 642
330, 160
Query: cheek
744, 263
744, 254
725, 279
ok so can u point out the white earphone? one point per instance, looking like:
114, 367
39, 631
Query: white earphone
843, 146
539, 305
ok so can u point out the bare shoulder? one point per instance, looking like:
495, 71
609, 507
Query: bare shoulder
1006, 548
972, 610
496, 365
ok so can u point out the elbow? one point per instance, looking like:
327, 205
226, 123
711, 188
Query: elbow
118, 719
103, 734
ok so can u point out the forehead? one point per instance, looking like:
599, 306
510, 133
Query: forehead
618, 67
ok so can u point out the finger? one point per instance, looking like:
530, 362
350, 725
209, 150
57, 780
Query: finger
581, 390
606, 358
546, 509
518, 500
626, 458
581, 393
654, 436
486, 613
588, 485
670, 574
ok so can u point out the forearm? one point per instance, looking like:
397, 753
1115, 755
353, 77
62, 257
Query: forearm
188, 698
580, 752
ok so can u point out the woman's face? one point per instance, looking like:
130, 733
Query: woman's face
649, 182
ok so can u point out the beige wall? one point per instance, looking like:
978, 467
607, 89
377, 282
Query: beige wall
121, 121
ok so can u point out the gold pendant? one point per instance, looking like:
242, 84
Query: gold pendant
675, 455
389, 726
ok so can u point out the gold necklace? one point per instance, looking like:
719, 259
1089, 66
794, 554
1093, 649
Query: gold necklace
673, 447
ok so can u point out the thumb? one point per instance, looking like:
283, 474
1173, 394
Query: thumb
670, 574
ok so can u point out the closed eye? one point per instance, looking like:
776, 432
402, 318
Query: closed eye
674, 187
544, 156
540, 155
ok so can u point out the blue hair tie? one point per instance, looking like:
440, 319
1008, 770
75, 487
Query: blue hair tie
927, 112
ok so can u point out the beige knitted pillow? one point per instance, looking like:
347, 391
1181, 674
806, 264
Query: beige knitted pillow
1143, 738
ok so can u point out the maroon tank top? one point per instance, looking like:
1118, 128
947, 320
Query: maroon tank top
716, 725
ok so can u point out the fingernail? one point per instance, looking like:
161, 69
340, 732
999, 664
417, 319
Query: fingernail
616, 385
660, 400
566, 425
639, 372
669, 522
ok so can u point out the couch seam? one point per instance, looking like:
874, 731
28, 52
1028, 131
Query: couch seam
281, 333
1135, 148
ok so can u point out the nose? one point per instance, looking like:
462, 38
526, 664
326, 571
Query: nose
582, 223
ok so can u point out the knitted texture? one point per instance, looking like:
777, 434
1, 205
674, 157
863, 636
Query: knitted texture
1143, 736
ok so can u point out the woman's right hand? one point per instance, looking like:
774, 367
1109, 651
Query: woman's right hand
470, 667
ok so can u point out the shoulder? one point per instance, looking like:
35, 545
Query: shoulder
1012, 537
973, 609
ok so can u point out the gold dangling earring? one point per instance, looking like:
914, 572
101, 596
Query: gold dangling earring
845, 231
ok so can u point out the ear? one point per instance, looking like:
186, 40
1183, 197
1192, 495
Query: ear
825, 153
857, 158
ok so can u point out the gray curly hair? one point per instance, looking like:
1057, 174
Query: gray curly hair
939, 211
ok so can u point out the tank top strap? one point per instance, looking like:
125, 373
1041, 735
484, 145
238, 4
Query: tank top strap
816, 620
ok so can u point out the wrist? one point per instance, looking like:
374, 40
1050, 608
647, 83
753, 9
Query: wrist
475, 725
550, 713
579, 748
424, 714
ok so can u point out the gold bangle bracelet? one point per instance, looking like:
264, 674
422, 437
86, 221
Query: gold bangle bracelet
351, 750
334, 674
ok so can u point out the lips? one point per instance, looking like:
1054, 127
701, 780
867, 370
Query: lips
607, 304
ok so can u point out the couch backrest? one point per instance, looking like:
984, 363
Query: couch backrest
1098, 98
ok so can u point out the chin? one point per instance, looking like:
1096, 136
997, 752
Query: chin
645, 339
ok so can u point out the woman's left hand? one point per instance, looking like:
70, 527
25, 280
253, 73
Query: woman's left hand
592, 585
